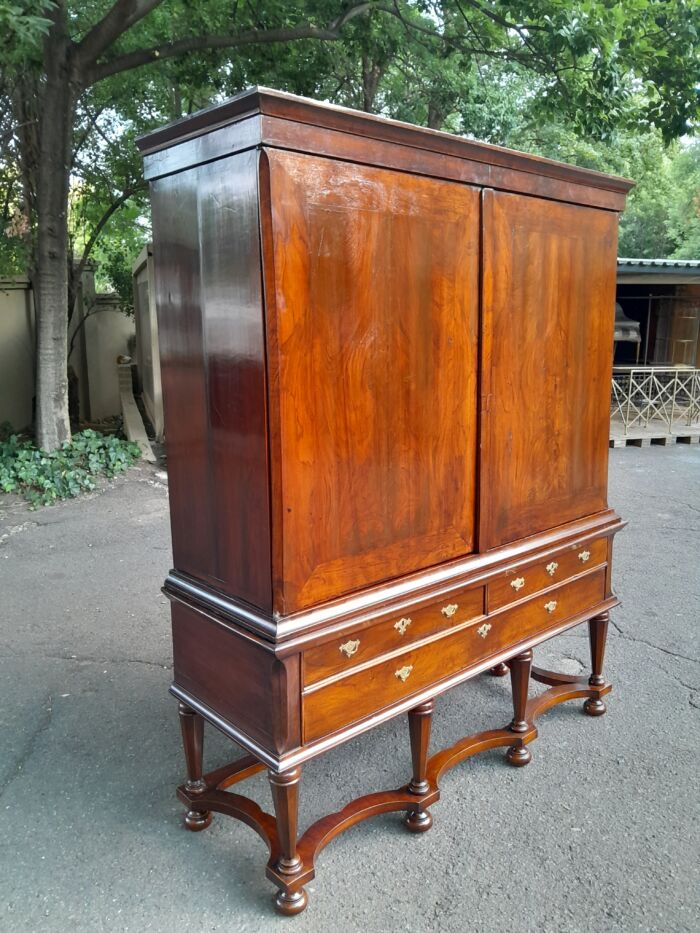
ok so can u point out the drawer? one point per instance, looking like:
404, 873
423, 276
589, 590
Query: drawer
517, 584
369, 690
339, 704
395, 631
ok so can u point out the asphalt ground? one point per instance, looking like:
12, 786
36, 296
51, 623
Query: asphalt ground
599, 832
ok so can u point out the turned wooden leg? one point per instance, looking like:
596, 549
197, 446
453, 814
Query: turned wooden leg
192, 726
519, 754
419, 721
500, 670
597, 636
285, 796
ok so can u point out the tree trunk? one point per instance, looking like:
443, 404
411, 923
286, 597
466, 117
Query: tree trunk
371, 76
435, 116
50, 276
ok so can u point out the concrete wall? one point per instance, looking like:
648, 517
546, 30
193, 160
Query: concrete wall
107, 331
16, 352
98, 342
147, 353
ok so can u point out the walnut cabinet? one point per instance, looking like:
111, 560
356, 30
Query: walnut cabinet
386, 357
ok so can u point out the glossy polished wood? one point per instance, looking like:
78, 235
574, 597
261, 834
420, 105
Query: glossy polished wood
519, 754
397, 631
555, 567
597, 634
205, 223
386, 361
548, 286
262, 116
192, 727
352, 695
420, 720
216, 796
372, 482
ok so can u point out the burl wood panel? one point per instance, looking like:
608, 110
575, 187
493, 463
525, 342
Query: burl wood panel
548, 311
337, 704
210, 323
372, 336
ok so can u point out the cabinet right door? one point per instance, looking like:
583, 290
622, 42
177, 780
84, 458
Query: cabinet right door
548, 299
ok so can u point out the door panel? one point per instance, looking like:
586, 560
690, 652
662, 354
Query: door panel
372, 355
548, 298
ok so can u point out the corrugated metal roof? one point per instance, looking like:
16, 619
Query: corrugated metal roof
661, 263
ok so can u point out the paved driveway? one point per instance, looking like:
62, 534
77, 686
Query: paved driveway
600, 832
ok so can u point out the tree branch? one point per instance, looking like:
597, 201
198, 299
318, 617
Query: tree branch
140, 57
122, 16
99, 226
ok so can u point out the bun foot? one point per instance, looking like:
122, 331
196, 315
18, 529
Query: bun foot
418, 821
594, 706
197, 820
500, 670
290, 903
518, 756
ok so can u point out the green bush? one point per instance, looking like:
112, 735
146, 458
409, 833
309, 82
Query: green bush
43, 478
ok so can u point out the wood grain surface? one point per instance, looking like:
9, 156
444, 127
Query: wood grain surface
372, 335
547, 340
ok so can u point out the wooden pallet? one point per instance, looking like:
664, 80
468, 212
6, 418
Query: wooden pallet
645, 437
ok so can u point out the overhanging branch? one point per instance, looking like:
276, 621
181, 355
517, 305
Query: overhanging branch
140, 57
121, 17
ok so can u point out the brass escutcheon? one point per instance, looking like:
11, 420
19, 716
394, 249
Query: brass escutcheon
551, 605
402, 625
403, 673
583, 556
449, 611
484, 629
350, 648
518, 583
552, 568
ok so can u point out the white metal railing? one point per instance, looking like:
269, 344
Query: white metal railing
666, 395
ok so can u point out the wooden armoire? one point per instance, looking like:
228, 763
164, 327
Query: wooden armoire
386, 360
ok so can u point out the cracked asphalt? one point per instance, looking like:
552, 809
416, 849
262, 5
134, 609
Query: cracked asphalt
599, 832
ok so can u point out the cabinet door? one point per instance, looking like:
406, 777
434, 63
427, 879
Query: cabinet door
548, 298
371, 281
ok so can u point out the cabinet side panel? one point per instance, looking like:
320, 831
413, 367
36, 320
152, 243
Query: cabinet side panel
373, 300
211, 334
548, 316
241, 681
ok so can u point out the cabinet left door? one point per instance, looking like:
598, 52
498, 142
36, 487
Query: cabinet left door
371, 285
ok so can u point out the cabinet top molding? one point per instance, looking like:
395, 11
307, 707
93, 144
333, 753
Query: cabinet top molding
265, 117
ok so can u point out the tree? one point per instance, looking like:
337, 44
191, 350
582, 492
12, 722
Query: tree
72, 69
684, 208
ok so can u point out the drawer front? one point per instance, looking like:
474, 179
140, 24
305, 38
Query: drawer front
395, 631
364, 692
525, 581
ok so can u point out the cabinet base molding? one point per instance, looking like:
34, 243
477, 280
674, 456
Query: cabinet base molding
413, 799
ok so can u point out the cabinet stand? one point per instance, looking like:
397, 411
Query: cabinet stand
291, 864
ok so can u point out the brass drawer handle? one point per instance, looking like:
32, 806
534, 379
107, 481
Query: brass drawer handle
350, 648
552, 568
402, 625
518, 583
484, 629
449, 611
584, 556
551, 605
403, 673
